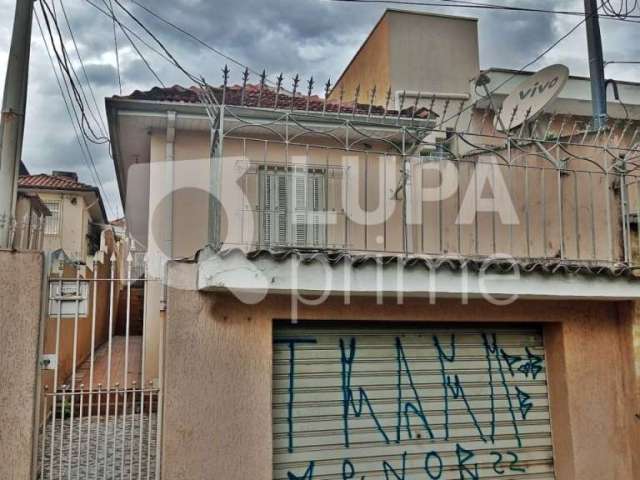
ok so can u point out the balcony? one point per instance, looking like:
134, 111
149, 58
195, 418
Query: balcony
563, 196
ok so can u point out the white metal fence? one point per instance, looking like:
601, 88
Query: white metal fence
99, 413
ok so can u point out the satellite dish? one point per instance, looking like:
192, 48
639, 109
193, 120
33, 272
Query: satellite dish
531, 96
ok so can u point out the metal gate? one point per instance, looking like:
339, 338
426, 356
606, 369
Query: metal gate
99, 407
405, 401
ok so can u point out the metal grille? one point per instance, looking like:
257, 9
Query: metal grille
410, 402
52, 222
99, 414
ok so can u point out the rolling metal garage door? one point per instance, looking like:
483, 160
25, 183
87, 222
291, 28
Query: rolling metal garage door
410, 402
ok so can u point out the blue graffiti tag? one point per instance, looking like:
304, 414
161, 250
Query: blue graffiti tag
348, 402
291, 342
406, 407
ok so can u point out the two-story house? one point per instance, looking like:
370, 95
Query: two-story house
77, 213
348, 296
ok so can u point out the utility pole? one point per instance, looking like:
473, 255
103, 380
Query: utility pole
596, 64
14, 103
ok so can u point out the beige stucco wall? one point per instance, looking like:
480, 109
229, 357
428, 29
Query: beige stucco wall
432, 53
369, 67
413, 52
21, 280
536, 227
74, 224
217, 404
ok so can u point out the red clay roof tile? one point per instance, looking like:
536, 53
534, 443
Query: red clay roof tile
267, 97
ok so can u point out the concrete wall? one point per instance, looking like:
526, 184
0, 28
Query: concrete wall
217, 404
21, 279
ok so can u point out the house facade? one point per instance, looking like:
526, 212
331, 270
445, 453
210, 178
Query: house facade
77, 213
357, 286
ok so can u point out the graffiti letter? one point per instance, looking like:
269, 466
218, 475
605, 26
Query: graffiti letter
465, 456
292, 349
348, 402
405, 407
389, 469
348, 471
428, 468
308, 474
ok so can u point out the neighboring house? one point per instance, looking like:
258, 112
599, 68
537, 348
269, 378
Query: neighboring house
331, 317
29, 224
77, 213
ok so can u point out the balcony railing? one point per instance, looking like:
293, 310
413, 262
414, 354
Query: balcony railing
562, 194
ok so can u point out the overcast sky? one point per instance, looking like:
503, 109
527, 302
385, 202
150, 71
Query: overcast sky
312, 37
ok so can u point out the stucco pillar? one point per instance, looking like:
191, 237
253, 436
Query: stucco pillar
21, 279
592, 386
217, 388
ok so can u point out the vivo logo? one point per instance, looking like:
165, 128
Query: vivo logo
538, 88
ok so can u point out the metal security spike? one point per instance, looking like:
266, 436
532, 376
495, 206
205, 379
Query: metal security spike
296, 82
225, 81
263, 80
372, 97
415, 105
513, 116
327, 88
401, 106
355, 101
278, 88
309, 92
524, 123
245, 78
386, 102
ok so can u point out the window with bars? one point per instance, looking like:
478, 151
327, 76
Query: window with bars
292, 206
52, 222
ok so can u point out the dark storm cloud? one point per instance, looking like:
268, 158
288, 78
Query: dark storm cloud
100, 74
312, 37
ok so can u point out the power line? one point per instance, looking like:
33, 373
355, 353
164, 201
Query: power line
488, 6
535, 60
194, 38
115, 43
68, 71
84, 148
84, 71
133, 45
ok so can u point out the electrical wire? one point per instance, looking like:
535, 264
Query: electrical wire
523, 68
489, 6
194, 38
84, 71
115, 43
82, 144
133, 45
62, 57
